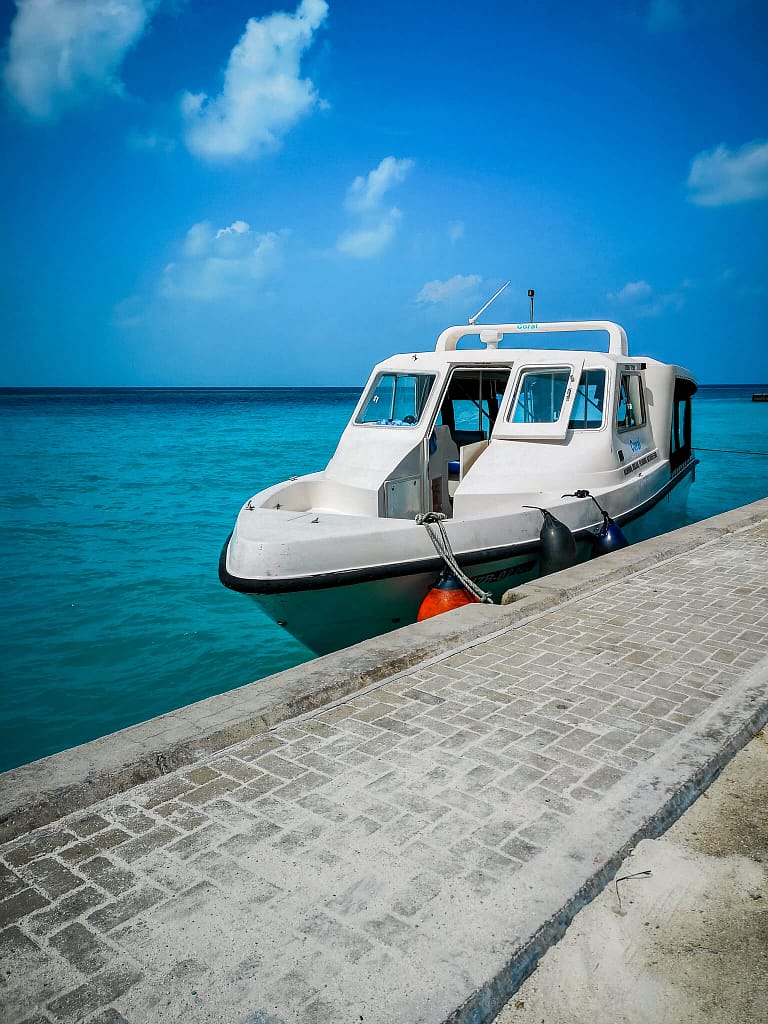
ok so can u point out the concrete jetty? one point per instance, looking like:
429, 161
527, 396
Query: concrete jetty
397, 832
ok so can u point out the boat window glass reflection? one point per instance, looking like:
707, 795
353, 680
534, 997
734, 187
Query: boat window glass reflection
540, 396
587, 412
631, 408
397, 399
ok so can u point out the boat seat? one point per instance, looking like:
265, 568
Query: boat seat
468, 453
445, 452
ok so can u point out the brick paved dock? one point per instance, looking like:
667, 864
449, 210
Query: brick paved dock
406, 852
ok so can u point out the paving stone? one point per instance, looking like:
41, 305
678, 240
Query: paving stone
10, 882
442, 860
65, 910
155, 839
109, 839
305, 783
78, 852
204, 794
323, 807
199, 776
21, 853
52, 877
255, 748
520, 849
108, 1016
328, 932
519, 778
237, 769
101, 989
19, 905
135, 821
124, 908
180, 816
259, 830
89, 824
26, 976
166, 790
198, 842
275, 765
14, 942
166, 872
106, 874
81, 947
423, 888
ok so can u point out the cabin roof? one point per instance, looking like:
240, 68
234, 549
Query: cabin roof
490, 336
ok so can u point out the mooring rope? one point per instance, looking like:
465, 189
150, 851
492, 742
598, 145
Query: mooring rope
728, 451
443, 547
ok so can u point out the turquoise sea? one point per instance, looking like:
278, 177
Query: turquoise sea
114, 505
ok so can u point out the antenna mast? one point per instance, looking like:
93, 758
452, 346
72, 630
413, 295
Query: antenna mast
473, 319
531, 294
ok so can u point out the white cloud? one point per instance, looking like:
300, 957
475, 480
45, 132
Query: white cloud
62, 51
366, 193
227, 263
721, 176
150, 142
458, 287
455, 230
632, 291
366, 242
642, 299
376, 226
263, 96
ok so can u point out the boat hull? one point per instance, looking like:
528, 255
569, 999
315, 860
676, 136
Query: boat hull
328, 618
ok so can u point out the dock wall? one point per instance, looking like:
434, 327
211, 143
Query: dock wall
44, 791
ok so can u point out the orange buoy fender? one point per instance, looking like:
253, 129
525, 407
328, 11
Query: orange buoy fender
446, 594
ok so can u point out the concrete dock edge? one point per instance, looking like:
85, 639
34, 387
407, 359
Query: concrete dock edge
46, 790
682, 773
403, 830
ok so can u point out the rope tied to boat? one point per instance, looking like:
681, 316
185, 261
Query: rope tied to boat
443, 547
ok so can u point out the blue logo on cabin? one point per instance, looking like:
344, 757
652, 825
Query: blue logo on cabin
527, 327
635, 445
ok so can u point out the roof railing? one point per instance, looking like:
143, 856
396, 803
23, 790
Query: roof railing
491, 334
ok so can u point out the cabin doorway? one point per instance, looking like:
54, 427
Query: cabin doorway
462, 429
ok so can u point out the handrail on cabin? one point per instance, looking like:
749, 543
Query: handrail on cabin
491, 334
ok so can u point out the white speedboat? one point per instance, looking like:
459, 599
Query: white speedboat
487, 436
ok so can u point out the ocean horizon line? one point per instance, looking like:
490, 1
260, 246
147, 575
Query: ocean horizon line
86, 388
95, 388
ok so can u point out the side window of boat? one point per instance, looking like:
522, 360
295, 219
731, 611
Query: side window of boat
397, 399
680, 447
631, 408
587, 412
540, 396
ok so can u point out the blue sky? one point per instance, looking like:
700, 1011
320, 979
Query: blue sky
244, 194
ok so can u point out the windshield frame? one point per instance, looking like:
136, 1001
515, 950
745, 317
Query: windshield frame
404, 408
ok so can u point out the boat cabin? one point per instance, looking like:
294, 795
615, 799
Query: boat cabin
467, 430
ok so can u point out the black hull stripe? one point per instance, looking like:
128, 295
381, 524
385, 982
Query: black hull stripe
348, 577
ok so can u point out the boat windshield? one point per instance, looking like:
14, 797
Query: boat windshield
396, 399
540, 396
587, 412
